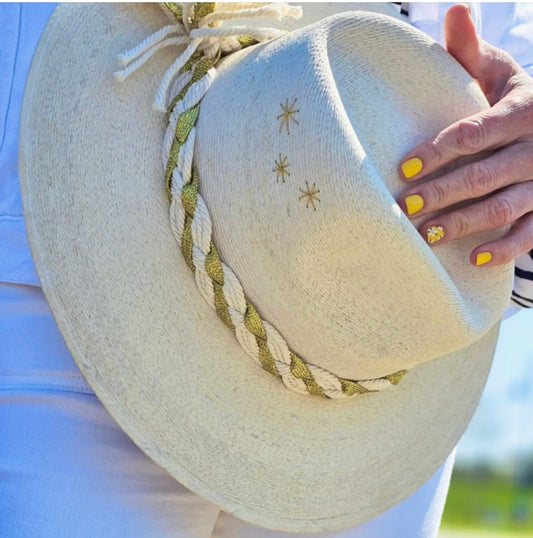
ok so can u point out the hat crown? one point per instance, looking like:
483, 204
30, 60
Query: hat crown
299, 173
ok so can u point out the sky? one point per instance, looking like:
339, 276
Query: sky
502, 427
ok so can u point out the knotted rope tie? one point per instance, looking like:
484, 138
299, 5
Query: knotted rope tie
190, 77
198, 26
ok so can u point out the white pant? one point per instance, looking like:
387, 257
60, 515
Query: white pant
68, 470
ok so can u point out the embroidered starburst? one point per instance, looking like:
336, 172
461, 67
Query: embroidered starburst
281, 169
310, 195
288, 114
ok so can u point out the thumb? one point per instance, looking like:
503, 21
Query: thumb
491, 67
461, 39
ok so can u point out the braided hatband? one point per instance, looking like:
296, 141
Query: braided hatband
199, 26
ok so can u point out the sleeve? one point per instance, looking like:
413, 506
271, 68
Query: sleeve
522, 294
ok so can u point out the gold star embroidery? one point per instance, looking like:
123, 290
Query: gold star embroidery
310, 194
282, 168
288, 114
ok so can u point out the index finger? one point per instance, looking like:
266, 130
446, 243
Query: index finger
485, 130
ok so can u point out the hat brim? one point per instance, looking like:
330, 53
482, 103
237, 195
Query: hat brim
159, 359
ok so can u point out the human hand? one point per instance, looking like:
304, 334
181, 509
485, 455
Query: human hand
505, 177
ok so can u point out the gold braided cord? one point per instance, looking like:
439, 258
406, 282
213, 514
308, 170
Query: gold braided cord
186, 119
199, 11
199, 65
176, 10
246, 41
213, 267
300, 370
396, 377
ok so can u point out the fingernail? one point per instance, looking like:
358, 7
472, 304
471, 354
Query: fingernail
411, 167
483, 257
414, 203
434, 233
468, 6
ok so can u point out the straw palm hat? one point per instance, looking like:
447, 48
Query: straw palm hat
251, 229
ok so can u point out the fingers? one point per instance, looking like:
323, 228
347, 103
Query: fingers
491, 67
461, 39
508, 88
513, 204
504, 179
506, 122
518, 241
513, 164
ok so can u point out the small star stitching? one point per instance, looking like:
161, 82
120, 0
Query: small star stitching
288, 114
281, 168
310, 195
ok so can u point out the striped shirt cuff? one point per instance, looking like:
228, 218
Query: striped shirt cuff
523, 281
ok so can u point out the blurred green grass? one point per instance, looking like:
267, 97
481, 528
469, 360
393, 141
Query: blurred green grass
490, 502
462, 533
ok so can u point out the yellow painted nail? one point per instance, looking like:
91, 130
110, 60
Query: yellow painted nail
412, 167
483, 257
414, 203
434, 233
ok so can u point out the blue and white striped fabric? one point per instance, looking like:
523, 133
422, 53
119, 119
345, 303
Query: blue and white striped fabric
523, 281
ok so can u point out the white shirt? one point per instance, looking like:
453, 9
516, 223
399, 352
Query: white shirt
20, 27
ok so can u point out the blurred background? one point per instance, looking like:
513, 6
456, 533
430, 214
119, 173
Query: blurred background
491, 492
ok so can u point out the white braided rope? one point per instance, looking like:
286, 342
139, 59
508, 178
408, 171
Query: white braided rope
201, 231
249, 11
152, 42
211, 40
235, 6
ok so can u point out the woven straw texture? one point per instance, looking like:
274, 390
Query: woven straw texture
351, 286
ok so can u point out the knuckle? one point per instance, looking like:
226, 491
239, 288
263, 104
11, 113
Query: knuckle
479, 178
459, 224
526, 110
500, 212
438, 194
523, 244
529, 108
435, 151
516, 103
520, 103
512, 246
470, 136
525, 239
506, 253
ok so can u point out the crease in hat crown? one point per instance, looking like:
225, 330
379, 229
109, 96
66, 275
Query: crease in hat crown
198, 26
